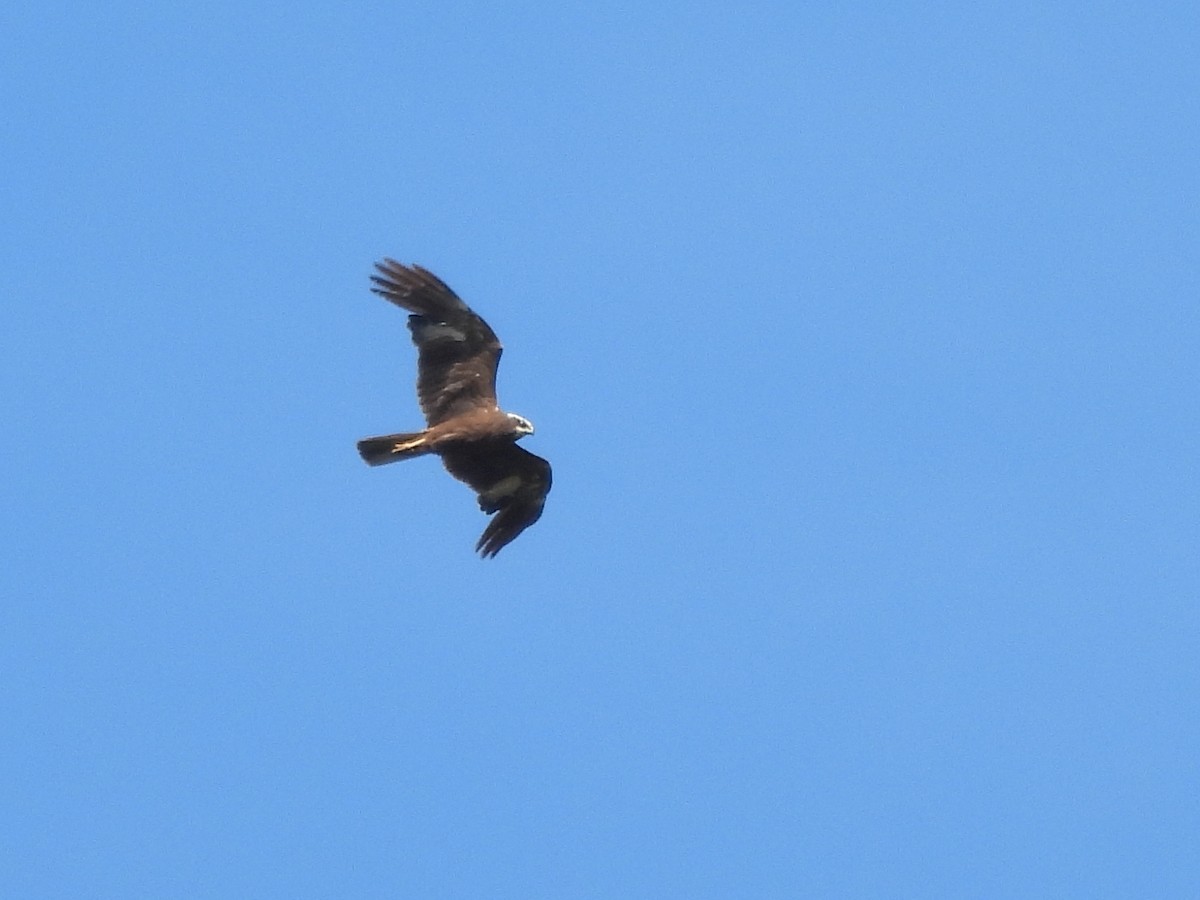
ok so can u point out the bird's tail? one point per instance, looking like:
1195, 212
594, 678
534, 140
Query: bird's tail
377, 451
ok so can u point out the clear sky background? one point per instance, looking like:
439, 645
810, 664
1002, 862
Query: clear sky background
862, 339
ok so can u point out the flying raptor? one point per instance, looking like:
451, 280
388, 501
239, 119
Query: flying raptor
456, 385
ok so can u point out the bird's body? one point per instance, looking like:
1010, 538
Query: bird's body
456, 387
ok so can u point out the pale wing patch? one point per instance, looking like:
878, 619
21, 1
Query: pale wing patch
438, 331
505, 487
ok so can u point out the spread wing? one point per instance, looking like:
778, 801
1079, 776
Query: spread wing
511, 482
458, 352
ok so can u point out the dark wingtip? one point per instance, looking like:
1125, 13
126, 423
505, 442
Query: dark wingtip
413, 287
487, 546
375, 452
494, 539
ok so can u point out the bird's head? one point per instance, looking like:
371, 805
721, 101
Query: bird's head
521, 425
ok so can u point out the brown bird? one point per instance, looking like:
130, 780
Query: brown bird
456, 385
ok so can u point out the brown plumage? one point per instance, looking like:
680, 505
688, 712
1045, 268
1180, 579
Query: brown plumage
456, 386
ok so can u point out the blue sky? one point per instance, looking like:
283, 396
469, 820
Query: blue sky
862, 340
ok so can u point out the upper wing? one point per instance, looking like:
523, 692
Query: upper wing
456, 365
511, 482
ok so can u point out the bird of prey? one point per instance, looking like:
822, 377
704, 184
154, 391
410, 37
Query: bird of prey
456, 385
